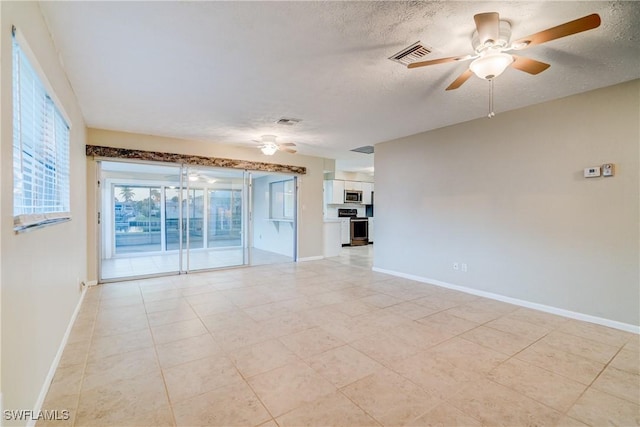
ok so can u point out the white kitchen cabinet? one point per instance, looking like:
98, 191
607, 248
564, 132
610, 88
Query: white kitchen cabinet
332, 238
345, 231
334, 192
370, 229
367, 188
353, 185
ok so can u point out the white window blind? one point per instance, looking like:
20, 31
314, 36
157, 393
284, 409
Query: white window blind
40, 150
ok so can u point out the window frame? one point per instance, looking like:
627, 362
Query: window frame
55, 165
281, 201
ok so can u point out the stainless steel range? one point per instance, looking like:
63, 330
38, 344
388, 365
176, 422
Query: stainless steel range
359, 226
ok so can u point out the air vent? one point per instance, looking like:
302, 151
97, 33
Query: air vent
288, 121
367, 149
413, 53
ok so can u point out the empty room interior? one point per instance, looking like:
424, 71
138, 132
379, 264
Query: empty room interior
314, 213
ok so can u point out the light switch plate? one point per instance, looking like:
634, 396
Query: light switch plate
592, 172
608, 169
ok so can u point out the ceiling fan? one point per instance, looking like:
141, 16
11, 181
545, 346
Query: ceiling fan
269, 146
491, 42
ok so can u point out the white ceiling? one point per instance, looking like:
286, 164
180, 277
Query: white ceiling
227, 71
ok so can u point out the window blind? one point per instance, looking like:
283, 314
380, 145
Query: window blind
40, 150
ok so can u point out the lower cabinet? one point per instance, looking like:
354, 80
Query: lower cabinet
345, 231
370, 230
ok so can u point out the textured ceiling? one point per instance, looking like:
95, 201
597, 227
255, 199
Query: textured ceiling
227, 71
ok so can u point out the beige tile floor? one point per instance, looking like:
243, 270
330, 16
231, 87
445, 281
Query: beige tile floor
141, 264
328, 343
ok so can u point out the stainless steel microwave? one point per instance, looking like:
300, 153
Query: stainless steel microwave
352, 196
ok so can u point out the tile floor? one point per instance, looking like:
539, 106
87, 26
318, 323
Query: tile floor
329, 343
140, 264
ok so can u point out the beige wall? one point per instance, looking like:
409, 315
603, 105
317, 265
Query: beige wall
39, 269
310, 218
507, 197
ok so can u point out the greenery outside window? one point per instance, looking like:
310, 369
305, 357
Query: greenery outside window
282, 199
40, 150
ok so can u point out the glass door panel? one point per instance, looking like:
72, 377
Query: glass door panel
136, 212
193, 218
225, 218
172, 218
133, 231
215, 211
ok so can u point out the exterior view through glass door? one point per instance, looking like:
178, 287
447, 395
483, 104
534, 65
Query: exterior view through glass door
164, 219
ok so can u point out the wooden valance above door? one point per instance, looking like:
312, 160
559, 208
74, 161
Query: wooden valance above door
188, 159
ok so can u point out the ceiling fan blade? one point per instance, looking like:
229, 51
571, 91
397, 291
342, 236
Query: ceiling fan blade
288, 150
460, 80
579, 25
528, 65
488, 26
440, 61
288, 144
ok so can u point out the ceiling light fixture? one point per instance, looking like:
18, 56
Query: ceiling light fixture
269, 146
269, 149
491, 64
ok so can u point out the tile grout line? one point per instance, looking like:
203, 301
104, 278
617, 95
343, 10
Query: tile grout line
227, 355
86, 360
155, 351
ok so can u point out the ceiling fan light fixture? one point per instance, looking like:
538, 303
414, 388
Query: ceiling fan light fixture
491, 65
269, 145
269, 149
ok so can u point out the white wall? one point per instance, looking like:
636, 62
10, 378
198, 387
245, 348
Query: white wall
310, 203
507, 197
39, 269
268, 235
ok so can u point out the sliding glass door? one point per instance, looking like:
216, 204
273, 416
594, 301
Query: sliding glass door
158, 219
214, 218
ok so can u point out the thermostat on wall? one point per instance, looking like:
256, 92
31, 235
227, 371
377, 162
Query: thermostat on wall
592, 172
608, 169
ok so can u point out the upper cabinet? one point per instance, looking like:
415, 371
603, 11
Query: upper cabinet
334, 191
353, 185
367, 189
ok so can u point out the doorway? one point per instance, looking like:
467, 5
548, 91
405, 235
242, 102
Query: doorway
159, 219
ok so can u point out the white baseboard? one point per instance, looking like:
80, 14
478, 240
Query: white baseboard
56, 361
311, 258
523, 303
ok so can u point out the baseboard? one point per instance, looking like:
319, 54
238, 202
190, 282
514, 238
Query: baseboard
310, 258
56, 360
523, 303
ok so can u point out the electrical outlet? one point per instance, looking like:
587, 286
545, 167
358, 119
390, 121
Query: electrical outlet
464, 267
456, 266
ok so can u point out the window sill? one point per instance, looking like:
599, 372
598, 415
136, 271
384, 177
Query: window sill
277, 221
29, 222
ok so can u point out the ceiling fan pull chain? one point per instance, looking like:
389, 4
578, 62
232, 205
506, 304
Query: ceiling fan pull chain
491, 113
